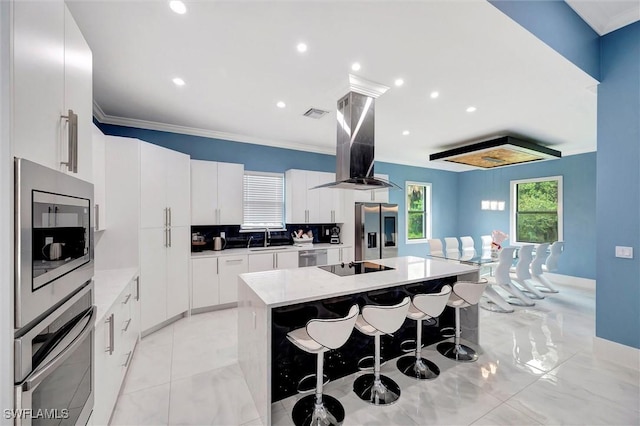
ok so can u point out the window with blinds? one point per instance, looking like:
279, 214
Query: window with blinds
263, 200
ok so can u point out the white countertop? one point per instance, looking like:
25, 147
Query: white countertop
108, 285
290, 286
256, 250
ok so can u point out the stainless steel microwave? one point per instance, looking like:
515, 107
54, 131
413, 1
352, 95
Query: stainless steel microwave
54, 239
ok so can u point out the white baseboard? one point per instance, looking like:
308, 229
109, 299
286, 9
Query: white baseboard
617, 353
570, 280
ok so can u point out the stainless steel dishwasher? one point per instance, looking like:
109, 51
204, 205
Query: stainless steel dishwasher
312, 257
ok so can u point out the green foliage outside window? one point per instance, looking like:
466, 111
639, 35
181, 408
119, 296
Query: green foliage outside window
537, 211
416, 212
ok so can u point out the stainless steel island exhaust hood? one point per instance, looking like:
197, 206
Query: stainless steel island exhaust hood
356, 139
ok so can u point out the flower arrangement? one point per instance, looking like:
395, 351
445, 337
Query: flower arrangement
497, 237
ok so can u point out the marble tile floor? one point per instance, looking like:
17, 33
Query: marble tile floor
535, 367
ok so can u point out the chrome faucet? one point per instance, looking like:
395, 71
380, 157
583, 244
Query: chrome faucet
249, 242
267, 237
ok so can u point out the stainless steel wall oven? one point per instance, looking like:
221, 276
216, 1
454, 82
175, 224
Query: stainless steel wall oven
54, 239
54, 380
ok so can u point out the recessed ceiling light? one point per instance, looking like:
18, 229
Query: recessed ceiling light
471, 109
399, 82
281, 104
355, 66
301, 47
405, 132
178, 7
434, 95
178, 81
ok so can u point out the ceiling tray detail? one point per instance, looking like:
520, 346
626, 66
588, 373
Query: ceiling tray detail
499, 152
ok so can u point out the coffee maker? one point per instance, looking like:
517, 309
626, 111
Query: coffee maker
335, 235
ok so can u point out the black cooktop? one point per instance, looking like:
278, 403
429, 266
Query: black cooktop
354, 268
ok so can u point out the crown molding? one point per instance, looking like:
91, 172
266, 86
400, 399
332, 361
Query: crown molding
193, 131
623, 19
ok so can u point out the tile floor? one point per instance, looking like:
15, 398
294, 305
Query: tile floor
535, 367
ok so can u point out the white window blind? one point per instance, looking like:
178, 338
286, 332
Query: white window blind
263, 200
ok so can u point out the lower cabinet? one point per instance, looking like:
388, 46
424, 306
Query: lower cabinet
214, 280
115, 340
339, 255
205, 282
269, 261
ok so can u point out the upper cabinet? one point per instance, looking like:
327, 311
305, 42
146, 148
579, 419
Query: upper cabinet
52, 74
306, 205
379, 196
216, 190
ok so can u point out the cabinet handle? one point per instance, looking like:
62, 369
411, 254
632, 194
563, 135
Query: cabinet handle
233, 261
217, 266
274, 261
72, 161
169, 216
110, 348
166, 238
127, 324
169, 229
126, 299
96, 208
126, 362
138, 287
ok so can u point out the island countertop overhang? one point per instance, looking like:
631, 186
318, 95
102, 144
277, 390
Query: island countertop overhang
291, 286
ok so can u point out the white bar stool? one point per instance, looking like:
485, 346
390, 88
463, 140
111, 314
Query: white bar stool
537, 272
423, 307
463, 295
376, 320
523, 276
318, 337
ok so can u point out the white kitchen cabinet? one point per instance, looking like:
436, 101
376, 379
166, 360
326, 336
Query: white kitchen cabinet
48, 80
78, 92
230, 268
178, 270
306, 205
216, 190
153, 277
269, 260
148, 204
339, 255
99, 179
378, 196
205, 282
116, 336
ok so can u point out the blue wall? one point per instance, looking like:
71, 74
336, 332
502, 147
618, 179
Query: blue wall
618, 187
278, 160
579, 203
555, 23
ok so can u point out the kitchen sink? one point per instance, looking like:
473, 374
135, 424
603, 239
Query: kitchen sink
268, 248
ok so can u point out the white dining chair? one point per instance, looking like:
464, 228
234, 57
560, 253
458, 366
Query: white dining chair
452, 247
435, 247
523, 276
536, 269
467, 248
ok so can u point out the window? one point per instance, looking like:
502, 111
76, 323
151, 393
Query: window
263, 200
418, 212
536, 210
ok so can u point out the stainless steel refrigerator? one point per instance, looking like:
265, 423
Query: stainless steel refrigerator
376, 231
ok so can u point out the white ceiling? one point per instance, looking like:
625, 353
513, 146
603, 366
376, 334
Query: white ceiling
239, 58
604, 16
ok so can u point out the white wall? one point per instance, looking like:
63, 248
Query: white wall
6, 219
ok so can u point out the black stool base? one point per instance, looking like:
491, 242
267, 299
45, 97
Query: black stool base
305, 413
422, 369
465, 354
387, 392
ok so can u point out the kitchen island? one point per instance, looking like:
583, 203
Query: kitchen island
264, 296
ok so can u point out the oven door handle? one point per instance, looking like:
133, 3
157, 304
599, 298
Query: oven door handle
81, 330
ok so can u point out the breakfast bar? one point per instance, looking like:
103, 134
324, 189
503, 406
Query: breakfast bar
264, 295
